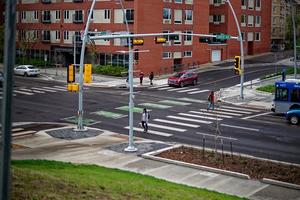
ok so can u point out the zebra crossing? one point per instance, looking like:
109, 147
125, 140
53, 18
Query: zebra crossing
36, 90
185, 90
193, 119
19, 132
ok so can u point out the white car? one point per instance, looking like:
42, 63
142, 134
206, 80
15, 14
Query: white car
26, 70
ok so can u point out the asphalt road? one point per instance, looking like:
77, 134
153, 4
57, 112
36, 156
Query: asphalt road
177, 114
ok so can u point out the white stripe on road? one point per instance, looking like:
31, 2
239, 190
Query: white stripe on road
166, 127
191, 120
234, 111
192, 100
17, 129
220, 112
177, 123
210, 135
176, 89
196, 92
199, 116
59, 89
239, 108
43, 89
29, 90
21, 92
159, 86
62, 87
211, 114
151, 131
164, 88
188, 90
241, 127
249, 117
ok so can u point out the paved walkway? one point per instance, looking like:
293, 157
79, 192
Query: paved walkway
106, 150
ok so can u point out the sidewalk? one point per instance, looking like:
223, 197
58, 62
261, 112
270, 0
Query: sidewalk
106, 149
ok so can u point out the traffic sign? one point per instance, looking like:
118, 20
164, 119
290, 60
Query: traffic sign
223, 36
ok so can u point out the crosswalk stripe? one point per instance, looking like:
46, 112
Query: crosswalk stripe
261, 114
175, 89
159, 86
199, 116
62, 87
53, 88
196, 92
151, 131
29, 90
192, 100
241, 127
239, 108
234, 111
17, 129
43, 89
22, 92
166, 127
192, 120
188, 90
210, 114
163, 88
220, 112
177, 123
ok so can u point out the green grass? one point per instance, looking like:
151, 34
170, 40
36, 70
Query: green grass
267, 88
289, 70
39, 179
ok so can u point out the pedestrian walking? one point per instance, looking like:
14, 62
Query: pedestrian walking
145, 119
211, 101
151, 77
141, 78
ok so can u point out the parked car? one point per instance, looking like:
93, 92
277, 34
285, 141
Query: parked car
293, 116
26, 70
183, 78
1, 79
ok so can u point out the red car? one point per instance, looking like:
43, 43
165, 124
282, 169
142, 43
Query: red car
183, 78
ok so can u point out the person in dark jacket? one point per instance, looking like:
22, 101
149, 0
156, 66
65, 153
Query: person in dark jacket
151, 77
141, 78
211, 101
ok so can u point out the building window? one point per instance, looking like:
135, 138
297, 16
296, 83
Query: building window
167, 37
217, 1
189, 15
243, 3
46, 16
92, 16
57, 15
78, 16
66, 14
243, 35
243, 20
188, 37
187, 54
167, 13
257, 36
177, 42
106, 14
250, 4
188, 1
46, 36
35, 34
257, 21
177, 1
250, 20
257, 4
23, 15
130, 15
36, 15
57, 35
166, 55
177, 16
66, 35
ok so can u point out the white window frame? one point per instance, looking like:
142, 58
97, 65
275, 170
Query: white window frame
23, 15
257, 34
244, 4
57, 14
168, 42
177, 1
167, 19
66, 14
36, 15
257, 24
179, 41
189, 2
186, 16
188, 40
66, 35
248, 20
177, 16
243, 23
57, 35
258, 5
185, 54
166, 55
251, 5
107, 14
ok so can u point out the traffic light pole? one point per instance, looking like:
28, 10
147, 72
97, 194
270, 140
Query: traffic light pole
241, 47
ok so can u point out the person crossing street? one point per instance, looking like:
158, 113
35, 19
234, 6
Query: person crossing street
145, 119
211, 101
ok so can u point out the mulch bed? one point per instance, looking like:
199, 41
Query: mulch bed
256, 169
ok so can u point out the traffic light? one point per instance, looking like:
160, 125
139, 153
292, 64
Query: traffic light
174, 37
71, 74
160, 40
138, 42
204, 40
87, 73
136, 54
237, 65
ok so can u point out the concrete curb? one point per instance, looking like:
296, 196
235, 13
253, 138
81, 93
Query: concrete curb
280, 183
151, 155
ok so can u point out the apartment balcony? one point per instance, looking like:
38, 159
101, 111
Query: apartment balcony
46, 1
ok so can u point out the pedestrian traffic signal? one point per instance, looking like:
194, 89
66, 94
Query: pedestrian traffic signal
237, 65
71, 74
204, 40
138, 42
136, 54
174, 37
160, 40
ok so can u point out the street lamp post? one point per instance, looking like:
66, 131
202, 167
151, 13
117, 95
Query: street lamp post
241, 47
131, 147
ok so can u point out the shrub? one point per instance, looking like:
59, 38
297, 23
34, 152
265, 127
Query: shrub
110, 70
32, 61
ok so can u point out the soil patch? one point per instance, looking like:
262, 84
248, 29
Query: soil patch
256, 169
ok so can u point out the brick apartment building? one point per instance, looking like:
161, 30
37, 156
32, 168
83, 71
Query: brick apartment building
47, 27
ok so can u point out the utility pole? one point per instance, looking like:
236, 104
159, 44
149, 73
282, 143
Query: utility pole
294, 38
241, 48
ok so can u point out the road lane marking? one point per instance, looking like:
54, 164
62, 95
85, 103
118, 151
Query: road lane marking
52, 88
241, 127
163, 88
177, 123
192, 100
22, 92
176, 89
191, 120
166, 127
43, 89
239, 108
188, 90
196, 92
213, 135
252, 116
159, 86
179, 103
108, 114
220, 112
62, 87
30, 90
151, 131
234, 111
153, 105
210, 114
199, 116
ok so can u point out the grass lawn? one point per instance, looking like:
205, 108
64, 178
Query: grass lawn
267, 88
39, 179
